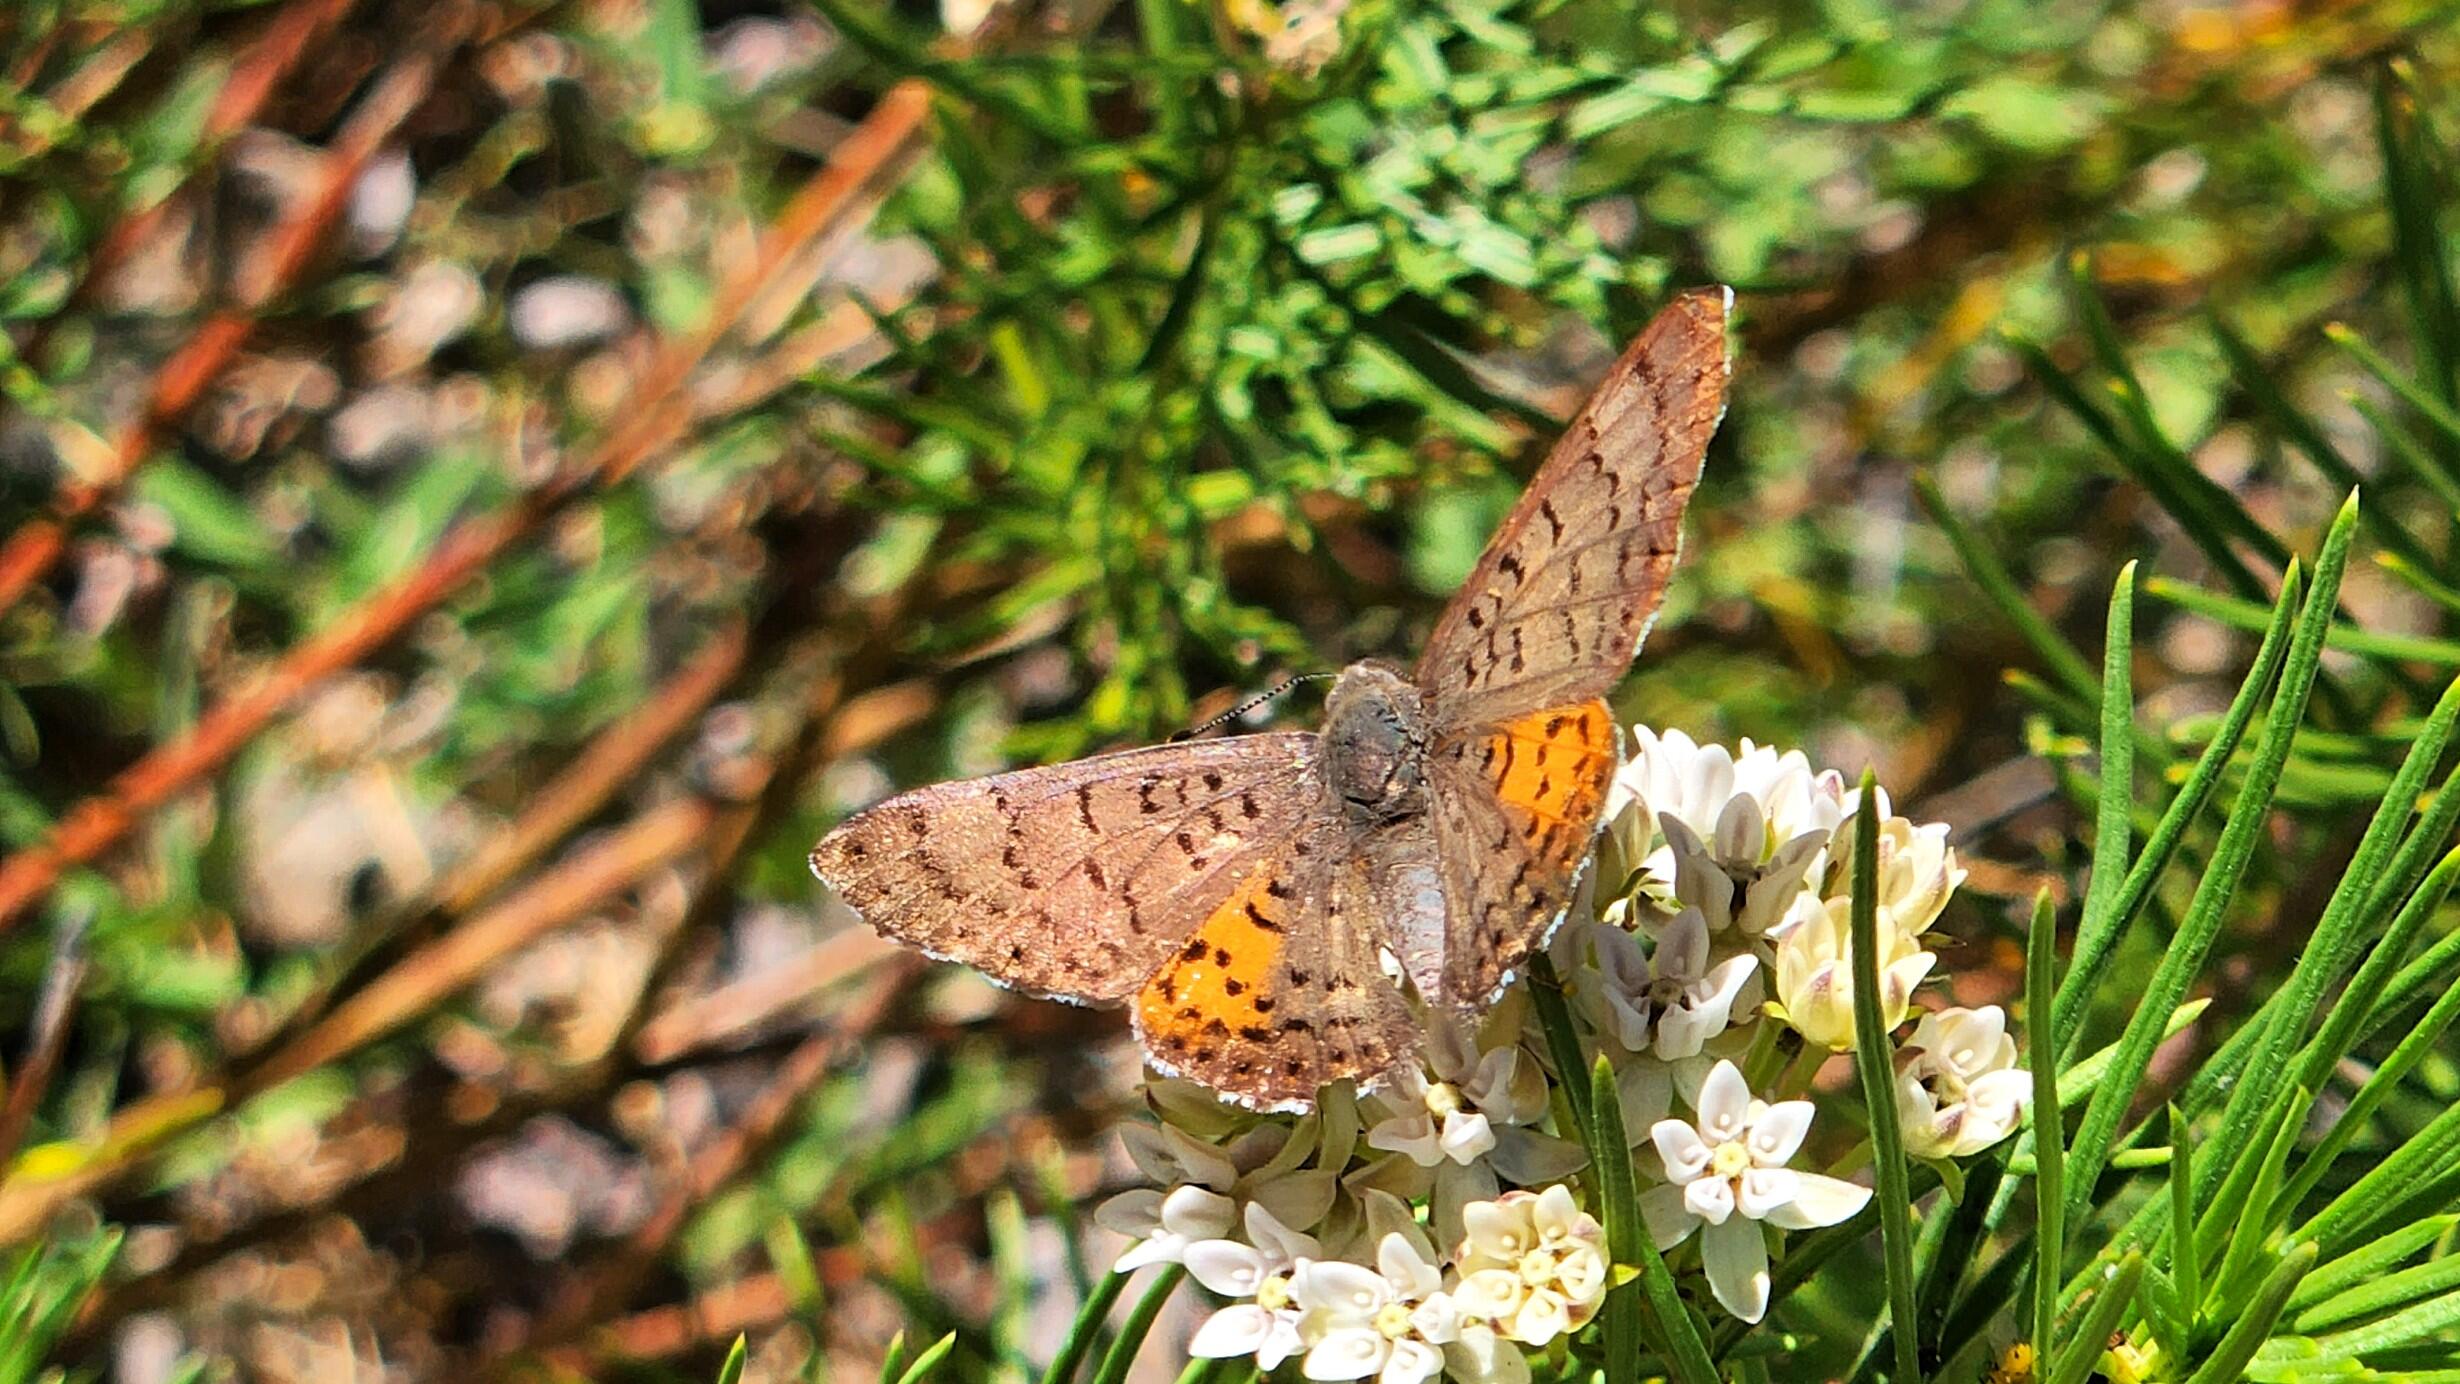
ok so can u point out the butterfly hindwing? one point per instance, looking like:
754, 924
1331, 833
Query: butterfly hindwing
1561, 597
1280, 990
1076, 881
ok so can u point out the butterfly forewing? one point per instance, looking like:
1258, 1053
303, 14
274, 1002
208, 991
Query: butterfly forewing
1516, 807
1079, 880
1560, 599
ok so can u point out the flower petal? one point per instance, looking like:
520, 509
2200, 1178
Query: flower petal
1238, 1329
1199, 1213
1352, 1352
1820, 1200
1686, 1154
1542, 1318
1710, 1198
1778, 1132
1491, 1294
1725, 1103
1135, 1213
1736, 1258
1412, 1136
1498, 1230
1225, 1266
1467, 1136
1345, 1291
1555, 1215
1275, 1240
1484, 1357
1761, 1191
1411, 1277
1412, 1362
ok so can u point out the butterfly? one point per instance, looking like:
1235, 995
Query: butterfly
1258, 902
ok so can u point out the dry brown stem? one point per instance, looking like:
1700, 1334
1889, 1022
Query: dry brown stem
659, 415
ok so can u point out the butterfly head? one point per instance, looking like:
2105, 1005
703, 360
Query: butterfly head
1375, 742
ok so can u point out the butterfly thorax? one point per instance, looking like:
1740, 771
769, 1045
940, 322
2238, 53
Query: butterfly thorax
1375, 737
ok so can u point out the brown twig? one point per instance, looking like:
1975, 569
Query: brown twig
730, 1013
51, 1014
254, 78
755, 1300
610, 761
440, 970
181, 380
659, 414
583, 881
586, 1298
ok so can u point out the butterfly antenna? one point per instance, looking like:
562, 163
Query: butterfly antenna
1249, 705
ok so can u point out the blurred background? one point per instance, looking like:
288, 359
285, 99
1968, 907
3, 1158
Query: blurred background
484, 485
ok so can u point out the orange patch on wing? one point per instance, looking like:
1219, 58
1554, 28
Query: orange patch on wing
1213, 990
1554, 765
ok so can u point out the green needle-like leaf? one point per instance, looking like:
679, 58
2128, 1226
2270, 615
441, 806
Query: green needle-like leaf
2096, 936
1874, 1061
2336, 936
2348, 639
1139, 1324
1677, 1336
2113, 1296
1088, 1325
2246, 1335
2049, 1134
2117, 794
2186, 1261
929, 1361
2186, 952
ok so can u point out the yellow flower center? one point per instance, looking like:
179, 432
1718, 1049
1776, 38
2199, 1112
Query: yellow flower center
1537, 1268
1443, 1098
1273, 1293
1393, 1320
1730, 1160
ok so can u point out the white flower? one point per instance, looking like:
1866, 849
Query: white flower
1736, 881
1269, 1333
1752, 803
1532, 1264
1169, 1223
1484, 1355
1728, 1173
1917, 869
1959, 1090
1266, 1328
1669, 1004
1815, 981
1386, 1322
1465, 1120
1209, 1183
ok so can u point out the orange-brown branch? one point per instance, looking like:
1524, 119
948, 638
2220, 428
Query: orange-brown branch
659, 416
37, 545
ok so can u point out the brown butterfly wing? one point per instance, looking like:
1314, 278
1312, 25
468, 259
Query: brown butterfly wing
1560, 599
1280, 990
1516, 807
1524, 748
1079, 880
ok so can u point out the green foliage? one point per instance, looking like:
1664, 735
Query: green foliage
1220, 366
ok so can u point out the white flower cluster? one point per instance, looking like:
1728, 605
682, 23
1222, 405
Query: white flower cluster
1436, 1225
1733, 872
1531, 1268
